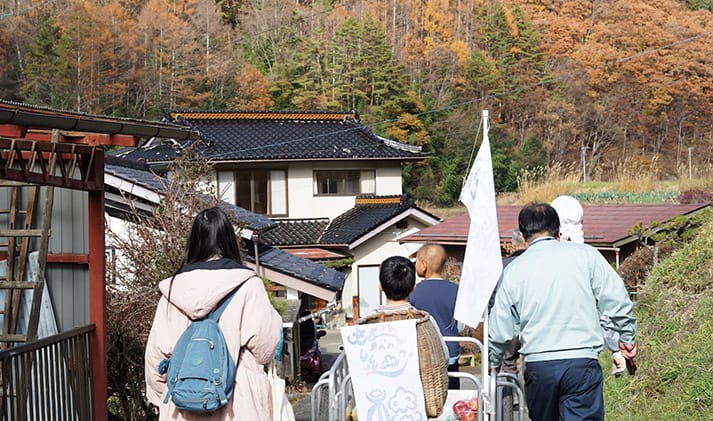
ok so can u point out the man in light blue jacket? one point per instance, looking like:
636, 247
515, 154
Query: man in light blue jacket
551, 296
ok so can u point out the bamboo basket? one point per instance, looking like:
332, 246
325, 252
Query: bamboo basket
432, 361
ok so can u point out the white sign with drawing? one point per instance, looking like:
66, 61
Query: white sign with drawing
383, 363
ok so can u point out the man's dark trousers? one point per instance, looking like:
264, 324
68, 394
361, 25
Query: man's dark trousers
570, 389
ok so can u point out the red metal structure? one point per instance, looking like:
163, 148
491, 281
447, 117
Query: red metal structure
64, 149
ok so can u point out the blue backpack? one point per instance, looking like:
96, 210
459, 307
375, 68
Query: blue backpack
200, 373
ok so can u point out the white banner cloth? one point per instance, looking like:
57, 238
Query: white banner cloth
482, 263
383, 363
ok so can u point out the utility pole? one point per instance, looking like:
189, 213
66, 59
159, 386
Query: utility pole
584, 163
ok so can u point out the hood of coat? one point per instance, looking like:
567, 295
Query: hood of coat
198, 288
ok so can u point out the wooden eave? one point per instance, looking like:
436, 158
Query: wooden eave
63, 149
21, 121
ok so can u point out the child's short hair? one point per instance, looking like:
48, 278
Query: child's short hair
397, 276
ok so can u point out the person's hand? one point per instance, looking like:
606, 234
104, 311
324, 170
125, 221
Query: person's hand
618, 364
628, 350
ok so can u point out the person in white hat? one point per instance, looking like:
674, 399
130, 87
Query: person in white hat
571, 213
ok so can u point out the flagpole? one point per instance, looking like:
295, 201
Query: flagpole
482, 260
485, 355
485, 370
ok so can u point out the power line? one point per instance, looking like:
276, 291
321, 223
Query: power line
26, 9
562, 78
490, 96
543, 83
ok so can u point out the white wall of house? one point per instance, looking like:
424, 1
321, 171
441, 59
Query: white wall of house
389, 181
115, 256
372, 253
304, 203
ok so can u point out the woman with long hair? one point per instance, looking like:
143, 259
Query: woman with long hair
211, 270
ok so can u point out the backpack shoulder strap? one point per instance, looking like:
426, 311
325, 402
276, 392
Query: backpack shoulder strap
223, 304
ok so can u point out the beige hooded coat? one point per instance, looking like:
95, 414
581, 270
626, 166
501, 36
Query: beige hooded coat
249, 323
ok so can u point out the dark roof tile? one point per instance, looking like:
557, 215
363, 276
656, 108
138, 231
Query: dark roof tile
159, 184
370, 212
259, 136
295, 232
297, 266
270, 257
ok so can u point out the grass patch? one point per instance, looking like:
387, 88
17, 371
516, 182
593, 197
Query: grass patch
675, 337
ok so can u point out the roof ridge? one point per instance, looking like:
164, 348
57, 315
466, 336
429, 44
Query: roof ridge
294, 220
394, 199
262, 115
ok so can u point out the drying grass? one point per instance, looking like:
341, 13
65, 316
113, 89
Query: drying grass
543, 184
637, 174
633, 180
701, 179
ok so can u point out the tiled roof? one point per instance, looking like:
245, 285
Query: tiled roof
270, 257
139, 174
368, 213
298, 267
295, 232
604, 225
266, 136
136, 172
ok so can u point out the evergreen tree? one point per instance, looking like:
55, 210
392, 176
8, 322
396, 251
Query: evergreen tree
482, 77
365, 74
700, 5
345, 66
47, 72
509, 38
310, 90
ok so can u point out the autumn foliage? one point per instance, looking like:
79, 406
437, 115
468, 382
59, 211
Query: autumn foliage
565, 81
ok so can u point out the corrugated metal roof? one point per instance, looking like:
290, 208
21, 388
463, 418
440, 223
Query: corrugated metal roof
159, 184
604, 225
315, 253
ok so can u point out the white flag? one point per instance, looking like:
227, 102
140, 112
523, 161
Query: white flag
482, 263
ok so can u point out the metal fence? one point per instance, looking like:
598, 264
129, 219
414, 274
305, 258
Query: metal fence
49, 379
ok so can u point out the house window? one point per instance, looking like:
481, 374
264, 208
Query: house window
344, 182
261, 191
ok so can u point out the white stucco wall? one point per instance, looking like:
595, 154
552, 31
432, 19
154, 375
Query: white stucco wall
301, 200
388, 180
373, 252
303, 203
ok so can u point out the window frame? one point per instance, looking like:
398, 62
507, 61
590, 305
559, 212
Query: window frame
344, 181
253, 185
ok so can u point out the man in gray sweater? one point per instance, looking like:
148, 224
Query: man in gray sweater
552, 296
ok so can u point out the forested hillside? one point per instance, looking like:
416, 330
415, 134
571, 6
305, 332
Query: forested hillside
609, 83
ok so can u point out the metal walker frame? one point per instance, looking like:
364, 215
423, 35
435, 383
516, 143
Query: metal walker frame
332, 396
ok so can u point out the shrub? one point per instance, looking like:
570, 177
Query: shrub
635, 268
695, 196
